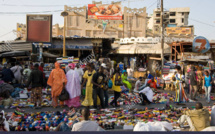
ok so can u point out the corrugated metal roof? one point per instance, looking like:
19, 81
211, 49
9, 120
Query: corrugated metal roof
18, 46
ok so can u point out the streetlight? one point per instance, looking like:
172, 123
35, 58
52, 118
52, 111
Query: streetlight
64, 14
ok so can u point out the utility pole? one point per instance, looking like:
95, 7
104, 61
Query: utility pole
64, 14
162, 38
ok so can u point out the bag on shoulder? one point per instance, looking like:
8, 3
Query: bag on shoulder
64, 95
110, 83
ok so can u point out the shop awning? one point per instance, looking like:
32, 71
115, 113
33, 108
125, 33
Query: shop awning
15, 54
16, 46
49, 55
115, 46
126, 49
152, 49
143, 49
73, 44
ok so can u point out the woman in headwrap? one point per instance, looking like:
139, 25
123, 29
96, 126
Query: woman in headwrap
88, 75
57, 80
125, 81
73, 87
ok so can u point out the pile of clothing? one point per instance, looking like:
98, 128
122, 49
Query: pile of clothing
107, 118
22, 98
5, 95
134, 98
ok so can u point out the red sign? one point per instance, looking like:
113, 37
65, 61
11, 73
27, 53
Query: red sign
105, 12
39, 28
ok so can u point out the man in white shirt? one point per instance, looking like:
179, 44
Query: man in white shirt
130, 71
138, 84
146, 95
86, 124
17, 72
80, 71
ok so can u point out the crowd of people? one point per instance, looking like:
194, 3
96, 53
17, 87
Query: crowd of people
193, 83
67, 86
96, 82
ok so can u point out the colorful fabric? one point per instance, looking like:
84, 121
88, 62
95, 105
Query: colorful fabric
127, 83
180, 92
36, 94
72, 65
75, 102
56, 80
73, 87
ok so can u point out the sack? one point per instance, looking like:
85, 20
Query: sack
64, 95
110, 84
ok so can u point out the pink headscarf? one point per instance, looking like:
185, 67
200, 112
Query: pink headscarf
72, 65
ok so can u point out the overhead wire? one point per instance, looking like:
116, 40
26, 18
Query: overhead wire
5, 34
31, 12
151, 5
202, 22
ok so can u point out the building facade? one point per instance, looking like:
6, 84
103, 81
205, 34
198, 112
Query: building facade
133, 24
175, 17
57, 30
21, 31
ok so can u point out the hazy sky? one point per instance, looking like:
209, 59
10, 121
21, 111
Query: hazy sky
14, 11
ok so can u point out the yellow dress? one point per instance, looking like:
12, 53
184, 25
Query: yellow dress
116, 88
88, 100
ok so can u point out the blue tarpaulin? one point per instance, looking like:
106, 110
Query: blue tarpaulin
73, 44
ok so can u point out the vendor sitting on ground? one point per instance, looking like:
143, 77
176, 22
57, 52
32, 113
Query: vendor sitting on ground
197, 119
151, 83
146, 95
138, 84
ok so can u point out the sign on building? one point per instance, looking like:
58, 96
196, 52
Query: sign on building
179, 31
200, 45
105, 12
197, 56
39, 28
